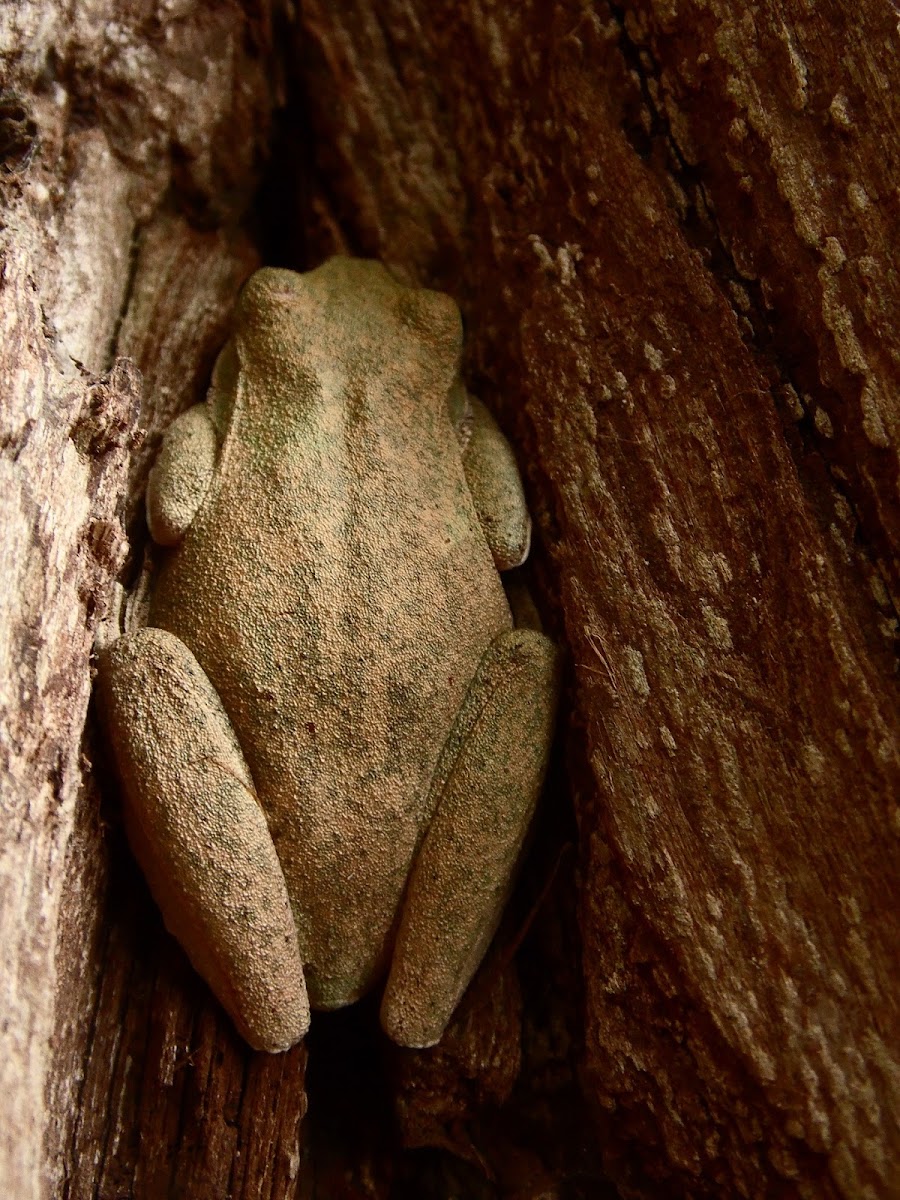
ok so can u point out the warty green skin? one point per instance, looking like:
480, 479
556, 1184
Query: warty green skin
331, 647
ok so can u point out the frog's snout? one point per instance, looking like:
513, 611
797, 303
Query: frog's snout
360, 302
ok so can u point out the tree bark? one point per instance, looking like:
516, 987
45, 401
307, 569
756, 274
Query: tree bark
669, 229
132, 137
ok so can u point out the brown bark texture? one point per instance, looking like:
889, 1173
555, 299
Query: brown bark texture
132, 136
669, 227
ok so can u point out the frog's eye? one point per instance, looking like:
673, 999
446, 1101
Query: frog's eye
435, 317
267, 292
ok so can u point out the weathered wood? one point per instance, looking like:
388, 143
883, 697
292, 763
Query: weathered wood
132, 137
668, 226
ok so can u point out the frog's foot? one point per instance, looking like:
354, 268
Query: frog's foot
198, 832
485, 791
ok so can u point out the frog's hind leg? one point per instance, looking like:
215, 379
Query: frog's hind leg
485, 791
200, 836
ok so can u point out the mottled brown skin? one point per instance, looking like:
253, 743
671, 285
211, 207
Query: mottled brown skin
330, 606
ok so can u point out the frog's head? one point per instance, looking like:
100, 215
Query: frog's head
348, 318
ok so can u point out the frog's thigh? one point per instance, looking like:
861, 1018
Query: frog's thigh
487, 785
200, 835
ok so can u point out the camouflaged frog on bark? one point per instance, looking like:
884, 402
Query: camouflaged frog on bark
331, 736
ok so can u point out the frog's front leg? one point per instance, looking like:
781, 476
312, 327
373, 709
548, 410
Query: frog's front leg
494, 481
485, 790
181, 475
199, 833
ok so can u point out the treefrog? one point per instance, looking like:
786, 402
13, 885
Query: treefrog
331, 735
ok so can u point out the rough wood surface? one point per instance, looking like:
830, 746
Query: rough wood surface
132, 137
669, 226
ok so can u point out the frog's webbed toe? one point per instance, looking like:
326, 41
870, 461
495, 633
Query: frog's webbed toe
200, 836
485, 790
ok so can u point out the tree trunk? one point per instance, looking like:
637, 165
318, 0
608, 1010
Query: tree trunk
133, 140
669, 229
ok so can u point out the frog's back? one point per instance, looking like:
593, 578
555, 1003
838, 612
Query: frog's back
339, 592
